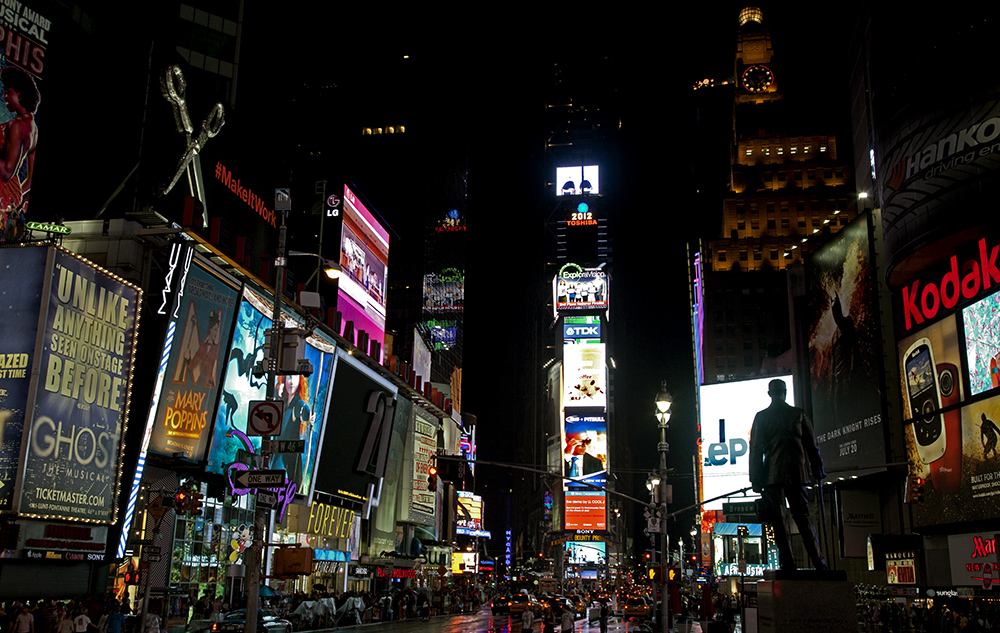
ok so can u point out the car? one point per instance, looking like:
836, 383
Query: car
580, 605
636, 607
267, 622
520, 602
501, 604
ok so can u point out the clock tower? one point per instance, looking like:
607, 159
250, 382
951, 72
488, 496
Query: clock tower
755, 75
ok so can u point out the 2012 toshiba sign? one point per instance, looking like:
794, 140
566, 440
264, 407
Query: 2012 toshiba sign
923, 301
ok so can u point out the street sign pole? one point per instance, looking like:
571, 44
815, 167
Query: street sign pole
261, 514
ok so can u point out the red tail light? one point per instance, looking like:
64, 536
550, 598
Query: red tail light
215, 627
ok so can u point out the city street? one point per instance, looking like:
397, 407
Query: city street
483, 621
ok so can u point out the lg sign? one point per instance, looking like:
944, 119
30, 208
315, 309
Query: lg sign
582, 331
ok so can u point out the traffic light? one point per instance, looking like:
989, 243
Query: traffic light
182, 502
649, 556
657, 573
196, 504
914, 492
132, 577
432, 478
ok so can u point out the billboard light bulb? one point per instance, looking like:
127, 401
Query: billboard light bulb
583, 207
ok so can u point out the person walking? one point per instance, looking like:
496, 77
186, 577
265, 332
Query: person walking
527, 620
603, 617
566, 620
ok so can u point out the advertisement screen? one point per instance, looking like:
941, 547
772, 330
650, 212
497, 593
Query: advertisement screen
963, 483
422, 501
20, 309
586, 553
24, 37
585, 458
465, 563
981, 326
364, 257
444, 292
727, 413
929, 363
584, 376
581, 330
362, 405
577, 180
203, 314
304, 398
842, 311
470, 511
577, 288
73, 446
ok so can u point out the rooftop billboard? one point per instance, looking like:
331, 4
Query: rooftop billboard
364, 260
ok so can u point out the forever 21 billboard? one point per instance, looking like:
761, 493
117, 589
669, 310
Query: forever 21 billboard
358, 428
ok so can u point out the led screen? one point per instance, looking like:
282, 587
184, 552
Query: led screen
470, 511
584, 376
444, 292
304, 398
727, 413
585, 459
981, 326
586, 552
842, 313
364, 257
577, 180
577, 288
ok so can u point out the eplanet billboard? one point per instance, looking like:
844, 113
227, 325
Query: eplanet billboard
727, 413
577, 288
842, 317
364, 258
72, 444
948, 358
23, 36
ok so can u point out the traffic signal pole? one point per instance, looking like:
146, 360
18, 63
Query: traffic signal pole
261, 514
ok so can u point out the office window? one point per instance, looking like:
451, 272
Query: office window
781, 176
802, 223
774, 253
756, 256
755, 224
742, 225
770, 224
793, 150
722, 256
784, 223
743, 256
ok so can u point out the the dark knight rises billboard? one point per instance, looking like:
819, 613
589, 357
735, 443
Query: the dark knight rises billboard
844, 352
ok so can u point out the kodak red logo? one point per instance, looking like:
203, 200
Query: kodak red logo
924, 302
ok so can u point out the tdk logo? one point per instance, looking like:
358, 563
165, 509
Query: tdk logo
722, 453
582, 331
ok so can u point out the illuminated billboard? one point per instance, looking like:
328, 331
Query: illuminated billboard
445, 291
727, 413
845, 342
586, 553
23, 34
464, 563
981, 327
585, 460
20, 309
72, 447
469, 517
577, 180
581, 330
578, 288
422, 500
201, 322
364, 258
584, 376
304, 398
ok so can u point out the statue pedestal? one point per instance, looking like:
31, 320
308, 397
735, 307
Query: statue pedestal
806, 600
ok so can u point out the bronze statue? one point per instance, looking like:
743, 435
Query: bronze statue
783, 455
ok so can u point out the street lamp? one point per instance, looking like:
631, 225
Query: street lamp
663, 402
330, 268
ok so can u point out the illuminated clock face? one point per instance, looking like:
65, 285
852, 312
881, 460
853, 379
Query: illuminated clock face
757, 78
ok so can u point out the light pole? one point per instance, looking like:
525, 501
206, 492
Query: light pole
663, 402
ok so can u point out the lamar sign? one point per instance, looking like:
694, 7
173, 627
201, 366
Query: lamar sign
923, 301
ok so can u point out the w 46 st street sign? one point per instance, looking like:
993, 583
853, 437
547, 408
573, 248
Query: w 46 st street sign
260, 478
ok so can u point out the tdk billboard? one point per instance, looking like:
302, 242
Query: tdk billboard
574, 330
